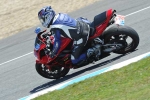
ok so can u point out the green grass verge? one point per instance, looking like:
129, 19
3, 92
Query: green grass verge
128, 83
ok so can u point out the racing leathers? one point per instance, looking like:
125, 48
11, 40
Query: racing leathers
64, 26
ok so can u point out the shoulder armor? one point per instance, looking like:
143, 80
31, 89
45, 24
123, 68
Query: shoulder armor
64, 19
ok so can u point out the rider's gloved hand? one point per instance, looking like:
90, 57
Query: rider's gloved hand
48, 46
52, 54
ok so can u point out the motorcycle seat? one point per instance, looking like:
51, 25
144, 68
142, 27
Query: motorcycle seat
99, 19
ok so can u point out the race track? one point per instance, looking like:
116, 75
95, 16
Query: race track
18, 77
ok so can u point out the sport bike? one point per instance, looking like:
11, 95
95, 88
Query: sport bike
107, 26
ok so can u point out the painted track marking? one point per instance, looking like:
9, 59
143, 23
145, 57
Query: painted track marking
137, 11
16, 58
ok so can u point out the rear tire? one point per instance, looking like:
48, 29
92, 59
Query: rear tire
50, 74
115, 34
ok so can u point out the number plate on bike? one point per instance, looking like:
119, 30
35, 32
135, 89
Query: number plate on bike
120, 20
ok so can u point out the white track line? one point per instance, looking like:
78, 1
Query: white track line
137, 11
32, 52
16, 58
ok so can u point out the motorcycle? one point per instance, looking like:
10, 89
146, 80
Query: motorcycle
107, 26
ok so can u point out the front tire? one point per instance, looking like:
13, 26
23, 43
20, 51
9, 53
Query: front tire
125, 35
54, 73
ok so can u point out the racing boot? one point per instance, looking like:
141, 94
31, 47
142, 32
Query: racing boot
98, 40
80, 64
96, 50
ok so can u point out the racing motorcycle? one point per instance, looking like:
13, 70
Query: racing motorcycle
107, 26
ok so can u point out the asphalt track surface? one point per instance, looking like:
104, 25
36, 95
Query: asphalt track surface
18, 77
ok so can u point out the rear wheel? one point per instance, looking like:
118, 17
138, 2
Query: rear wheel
124, 35
54, 73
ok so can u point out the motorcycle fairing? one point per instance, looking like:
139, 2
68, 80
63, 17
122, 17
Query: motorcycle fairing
37, 46
43, 58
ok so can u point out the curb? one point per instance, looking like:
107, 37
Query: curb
65, 84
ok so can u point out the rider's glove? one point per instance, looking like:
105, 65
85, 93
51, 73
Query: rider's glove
47, 51
52, 54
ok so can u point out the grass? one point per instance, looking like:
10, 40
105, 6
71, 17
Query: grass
128, 83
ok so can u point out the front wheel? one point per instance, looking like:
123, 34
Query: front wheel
55, 72
124, 35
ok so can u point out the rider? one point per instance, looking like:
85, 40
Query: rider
62, 25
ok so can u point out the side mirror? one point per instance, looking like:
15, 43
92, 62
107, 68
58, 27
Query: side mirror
37, 30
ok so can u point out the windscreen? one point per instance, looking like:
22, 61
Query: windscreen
37, 44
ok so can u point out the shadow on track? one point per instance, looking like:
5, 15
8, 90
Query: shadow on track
55, 82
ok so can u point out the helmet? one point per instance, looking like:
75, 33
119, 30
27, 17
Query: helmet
45, 15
